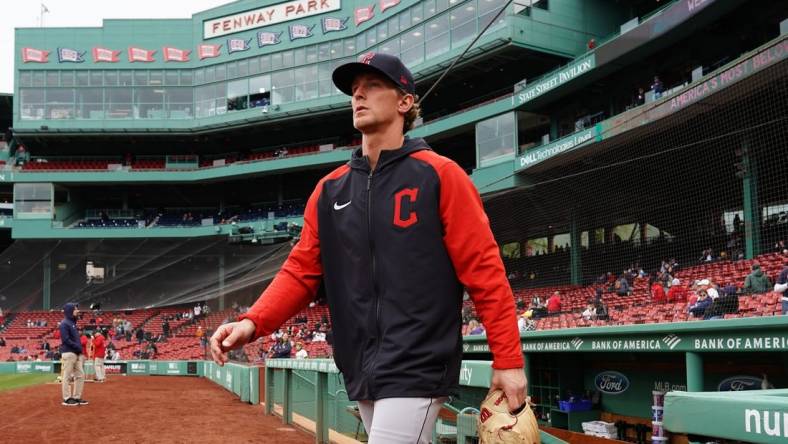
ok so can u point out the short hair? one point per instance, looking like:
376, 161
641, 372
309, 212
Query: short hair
412, 115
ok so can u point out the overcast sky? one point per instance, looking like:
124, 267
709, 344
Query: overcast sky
68, 13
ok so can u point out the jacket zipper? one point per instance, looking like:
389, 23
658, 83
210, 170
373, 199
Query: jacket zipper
373, 264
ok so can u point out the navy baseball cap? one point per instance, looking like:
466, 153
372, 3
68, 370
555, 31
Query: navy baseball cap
387, 65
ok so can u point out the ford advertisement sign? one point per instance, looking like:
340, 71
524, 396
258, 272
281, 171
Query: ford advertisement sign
612, 383
740, 383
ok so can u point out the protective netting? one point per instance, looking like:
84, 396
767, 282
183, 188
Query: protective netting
689, 195
137, 272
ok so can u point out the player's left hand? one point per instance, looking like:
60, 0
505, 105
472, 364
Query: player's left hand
513, 384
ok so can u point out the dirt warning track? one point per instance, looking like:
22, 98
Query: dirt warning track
140, 409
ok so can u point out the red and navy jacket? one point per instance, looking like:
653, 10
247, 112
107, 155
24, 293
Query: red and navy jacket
394, 248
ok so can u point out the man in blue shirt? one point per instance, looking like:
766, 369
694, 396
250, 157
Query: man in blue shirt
71, 349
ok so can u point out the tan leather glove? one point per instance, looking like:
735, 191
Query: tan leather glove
497, 425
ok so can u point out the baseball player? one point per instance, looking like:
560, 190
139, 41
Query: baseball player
87, 349
394, 235
99, 350
71, 350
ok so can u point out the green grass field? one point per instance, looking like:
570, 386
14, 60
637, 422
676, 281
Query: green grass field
10, 382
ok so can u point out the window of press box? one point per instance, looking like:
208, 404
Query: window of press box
237, 95
171, 77
66, 78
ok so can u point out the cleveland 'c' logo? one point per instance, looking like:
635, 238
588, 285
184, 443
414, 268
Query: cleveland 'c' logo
399, 220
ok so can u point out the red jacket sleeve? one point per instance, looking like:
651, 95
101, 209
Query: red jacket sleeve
297, 282
477, 261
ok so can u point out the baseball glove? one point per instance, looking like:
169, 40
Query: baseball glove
496, 425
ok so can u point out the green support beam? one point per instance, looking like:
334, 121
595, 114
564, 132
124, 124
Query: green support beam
287, 401
575, 260
46, 288
321, 418
269, 390
694, 372
752, 210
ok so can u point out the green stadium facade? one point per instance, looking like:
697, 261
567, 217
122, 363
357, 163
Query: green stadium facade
607, 138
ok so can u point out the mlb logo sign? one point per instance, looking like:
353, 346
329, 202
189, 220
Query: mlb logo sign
208, 51
35, 55
235, 45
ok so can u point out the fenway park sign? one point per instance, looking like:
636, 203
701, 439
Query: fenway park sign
268, 15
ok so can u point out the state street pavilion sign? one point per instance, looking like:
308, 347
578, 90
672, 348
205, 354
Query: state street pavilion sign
265, 16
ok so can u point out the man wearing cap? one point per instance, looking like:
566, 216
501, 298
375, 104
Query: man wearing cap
71, 350
99, 350
394, 235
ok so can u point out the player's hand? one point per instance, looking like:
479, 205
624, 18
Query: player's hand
513, 384
230, 336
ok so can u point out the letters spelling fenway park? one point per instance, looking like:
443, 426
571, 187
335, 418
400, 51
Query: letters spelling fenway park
257, 18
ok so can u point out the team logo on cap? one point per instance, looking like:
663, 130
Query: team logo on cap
403, 80
366, 58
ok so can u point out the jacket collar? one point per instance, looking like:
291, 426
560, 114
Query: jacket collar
359, 161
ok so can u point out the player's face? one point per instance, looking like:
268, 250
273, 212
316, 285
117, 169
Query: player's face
376, 103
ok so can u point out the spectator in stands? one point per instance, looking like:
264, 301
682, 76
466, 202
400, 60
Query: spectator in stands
707, 256
640, 97
724, 304
712, 289
301, 352
475, 328
283, 348
757, 282
197, 311
729, 289
140, 335
698, 309
319, 335
165, 328
677, 292
589, 314
657, 87
2, 342
622, 286
658, 293
782, 284
554, 303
